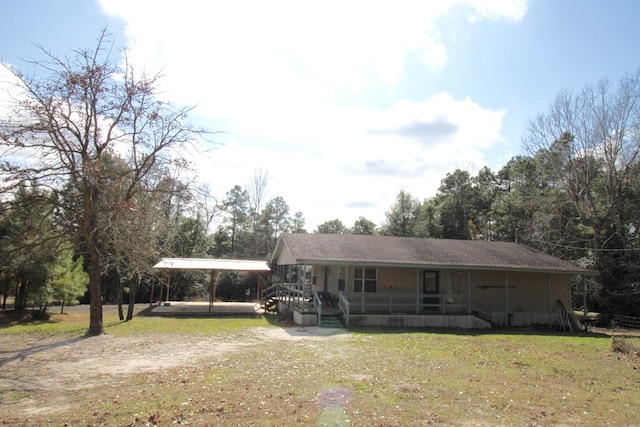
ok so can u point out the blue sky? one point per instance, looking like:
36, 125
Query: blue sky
345, 103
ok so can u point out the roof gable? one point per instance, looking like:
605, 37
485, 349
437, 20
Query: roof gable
411, 251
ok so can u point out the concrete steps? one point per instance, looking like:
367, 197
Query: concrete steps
332, 322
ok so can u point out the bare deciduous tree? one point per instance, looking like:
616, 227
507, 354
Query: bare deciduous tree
75, 114
591, 141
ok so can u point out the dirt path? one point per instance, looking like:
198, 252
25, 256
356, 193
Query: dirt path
51, 370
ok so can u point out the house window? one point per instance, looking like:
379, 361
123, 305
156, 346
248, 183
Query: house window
365, 278
342, 279
431, 285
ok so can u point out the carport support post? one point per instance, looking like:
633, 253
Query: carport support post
259, 292
212, 293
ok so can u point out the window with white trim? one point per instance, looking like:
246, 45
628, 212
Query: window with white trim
365, 278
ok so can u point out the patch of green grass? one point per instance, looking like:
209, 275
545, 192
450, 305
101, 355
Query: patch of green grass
192, 325
76, 323
65, 324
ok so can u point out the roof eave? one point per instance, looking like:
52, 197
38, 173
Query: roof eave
528, 269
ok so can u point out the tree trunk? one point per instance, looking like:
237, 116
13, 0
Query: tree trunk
21, 294
6, 291
90, 231
95, 292
133, 290
119, 290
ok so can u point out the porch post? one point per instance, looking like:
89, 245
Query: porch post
469, 292
362, 303
506, 298
259, 295
549, 305
417, 291
326, 279
301, 270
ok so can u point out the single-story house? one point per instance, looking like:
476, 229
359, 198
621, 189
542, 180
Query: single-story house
421, 282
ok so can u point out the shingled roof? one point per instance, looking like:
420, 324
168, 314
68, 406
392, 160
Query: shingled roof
409, 251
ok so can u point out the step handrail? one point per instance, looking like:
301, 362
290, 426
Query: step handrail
317, 305
487, 308
343, 305
270, 290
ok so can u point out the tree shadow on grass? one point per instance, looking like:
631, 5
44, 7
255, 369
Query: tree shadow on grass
31, 351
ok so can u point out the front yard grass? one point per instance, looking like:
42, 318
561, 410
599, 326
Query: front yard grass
369, 377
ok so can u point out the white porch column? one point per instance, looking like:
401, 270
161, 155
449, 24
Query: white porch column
506, 298
469, 292
549, 305
418, 291
362, 296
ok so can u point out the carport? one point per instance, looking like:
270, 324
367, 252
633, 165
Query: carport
213, 266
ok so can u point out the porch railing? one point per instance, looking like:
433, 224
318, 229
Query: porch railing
296, 296
483, 309
396, 303
343, 305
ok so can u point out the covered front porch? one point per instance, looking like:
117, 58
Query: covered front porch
417, 297
385, 309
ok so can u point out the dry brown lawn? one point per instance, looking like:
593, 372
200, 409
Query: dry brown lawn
242, 372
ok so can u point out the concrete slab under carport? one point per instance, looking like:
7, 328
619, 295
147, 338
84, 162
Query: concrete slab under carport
219, 309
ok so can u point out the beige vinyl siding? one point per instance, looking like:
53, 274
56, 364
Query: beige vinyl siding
403, 280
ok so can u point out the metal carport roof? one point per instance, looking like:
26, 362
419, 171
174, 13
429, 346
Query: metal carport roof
212, 265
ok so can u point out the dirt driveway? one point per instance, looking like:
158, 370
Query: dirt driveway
40, 375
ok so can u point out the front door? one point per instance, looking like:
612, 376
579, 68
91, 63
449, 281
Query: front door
430, 286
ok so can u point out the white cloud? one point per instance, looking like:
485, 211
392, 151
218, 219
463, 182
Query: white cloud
323, 177
498, 9
279, 72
